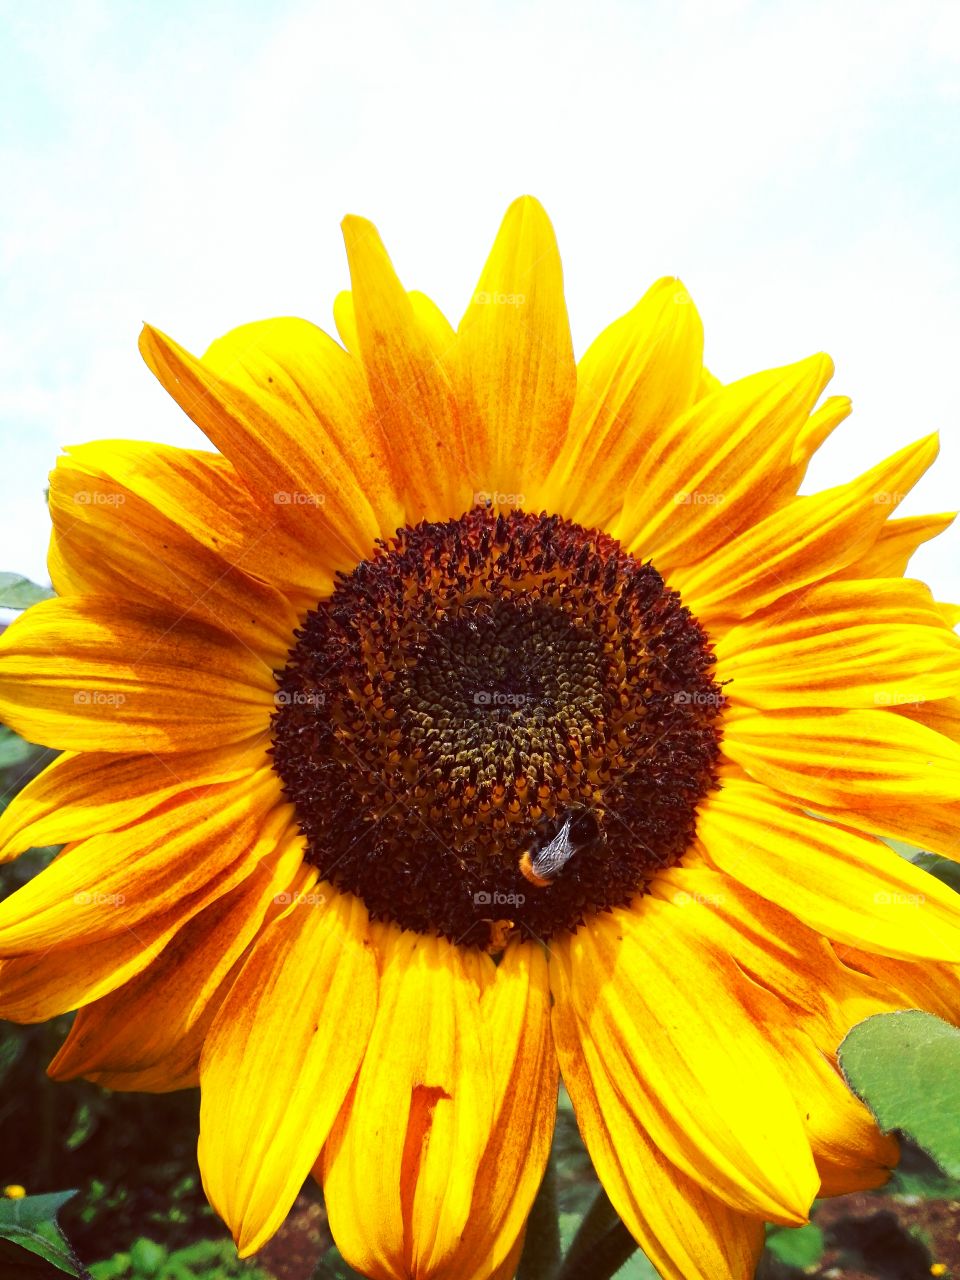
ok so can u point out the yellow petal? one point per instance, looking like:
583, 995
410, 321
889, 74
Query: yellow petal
818, 426
106, 542
290, 409
639, 375
400, 1168
805, 539
517, 372
687, 1233
842, 644
54, 980
83, 795
726, 462
202, 494
916, 985
774, 948
873, 759
410, 388
890, 554
516, 1006
839, 882
674, 1022
280, 1057
190, 850
147, 1034
97, 674
851, 1152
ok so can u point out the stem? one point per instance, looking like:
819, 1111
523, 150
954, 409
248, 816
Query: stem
603, 1259
541, 1250
322, 1272
599, 1219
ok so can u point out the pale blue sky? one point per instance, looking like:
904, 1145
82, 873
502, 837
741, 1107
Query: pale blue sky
188, 163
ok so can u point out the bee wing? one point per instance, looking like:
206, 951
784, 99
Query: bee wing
553, 857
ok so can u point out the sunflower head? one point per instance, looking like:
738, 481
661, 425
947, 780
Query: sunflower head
456, 646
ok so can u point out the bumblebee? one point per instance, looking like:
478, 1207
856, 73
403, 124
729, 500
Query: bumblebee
549, 852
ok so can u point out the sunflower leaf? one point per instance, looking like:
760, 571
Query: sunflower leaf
13, 749
31, 1243
18, 592
906, 1068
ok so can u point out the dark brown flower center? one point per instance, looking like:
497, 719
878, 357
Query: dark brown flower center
497, 723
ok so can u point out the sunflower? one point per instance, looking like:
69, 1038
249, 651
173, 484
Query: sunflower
472, 716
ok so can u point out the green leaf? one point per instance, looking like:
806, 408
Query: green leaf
637, 1267
13, 749
18, 592
147, 1257
32, 1243
944, 869
906, 1068
797, 1246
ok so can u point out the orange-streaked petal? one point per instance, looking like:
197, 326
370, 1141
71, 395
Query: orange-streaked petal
687, 1233
280, 1057
842, 644
400, 1168
873, 759
895, 545
410, 388
839, 882
805, 539
106, 542
307, 444
639, 375
517, 371
94, 673
86, 794
191, 849
202, 494
673, 1021
524, 1067
724, 463
147, 1034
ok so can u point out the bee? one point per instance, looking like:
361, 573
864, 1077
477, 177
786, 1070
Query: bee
549, 852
